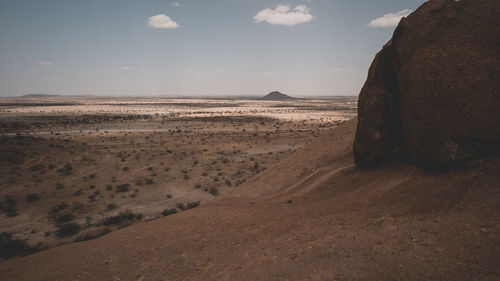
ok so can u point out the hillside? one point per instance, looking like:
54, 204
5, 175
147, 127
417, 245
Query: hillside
39, 96
314, 216
276, 96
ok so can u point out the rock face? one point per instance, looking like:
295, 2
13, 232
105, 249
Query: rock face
432, 92
277, 96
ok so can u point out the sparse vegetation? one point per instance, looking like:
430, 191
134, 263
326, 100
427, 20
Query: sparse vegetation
213, 190
184, 153
37, 167
122, 217
8, 206
92, 235
66, 170
123, 187
62, 218
58, 207
111, 206
10, 247
191, 205
32, 197
67, 229
168, 212
59, 186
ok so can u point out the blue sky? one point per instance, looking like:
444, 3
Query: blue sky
194, 47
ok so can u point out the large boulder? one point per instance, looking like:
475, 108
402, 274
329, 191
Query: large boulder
432, 92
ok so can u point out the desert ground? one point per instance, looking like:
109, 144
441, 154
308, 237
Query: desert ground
311, 216
74, 169
401, 182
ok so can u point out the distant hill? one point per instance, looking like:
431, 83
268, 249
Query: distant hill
39, 96
277, 96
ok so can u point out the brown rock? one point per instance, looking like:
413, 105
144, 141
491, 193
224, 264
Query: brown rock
433, 89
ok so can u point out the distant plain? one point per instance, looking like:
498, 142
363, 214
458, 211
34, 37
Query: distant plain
75, 168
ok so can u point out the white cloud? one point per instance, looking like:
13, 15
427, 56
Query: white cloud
391, 19
284, 15
127, 68
162, 21
266, 73
219, 70
176, 4
45, 63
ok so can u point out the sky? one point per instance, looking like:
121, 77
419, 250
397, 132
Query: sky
192, 47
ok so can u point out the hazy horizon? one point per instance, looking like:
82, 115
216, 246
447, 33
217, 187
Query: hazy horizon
171, 96
192, 48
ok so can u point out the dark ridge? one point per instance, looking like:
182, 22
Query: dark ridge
39, 96
277, 96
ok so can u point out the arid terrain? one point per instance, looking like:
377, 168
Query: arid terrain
73, 169
311, 216
401, 182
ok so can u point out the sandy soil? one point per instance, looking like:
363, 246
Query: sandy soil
312, 216
74, 169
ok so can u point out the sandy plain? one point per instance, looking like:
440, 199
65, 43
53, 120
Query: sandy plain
74, 169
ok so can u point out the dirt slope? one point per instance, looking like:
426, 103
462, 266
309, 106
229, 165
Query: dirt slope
312, 217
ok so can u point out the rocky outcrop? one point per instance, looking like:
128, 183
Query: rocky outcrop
432, 92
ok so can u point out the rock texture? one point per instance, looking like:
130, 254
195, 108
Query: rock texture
433, 91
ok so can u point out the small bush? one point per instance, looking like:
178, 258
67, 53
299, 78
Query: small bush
123, 187
8, 206
32, 197
213, 191
12, 214
66, 169
14, 247
37, 167
191, 205
62, 218
58, 207
122, 217
59, 186
68, 229
111, 206
256, 166
168, 212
